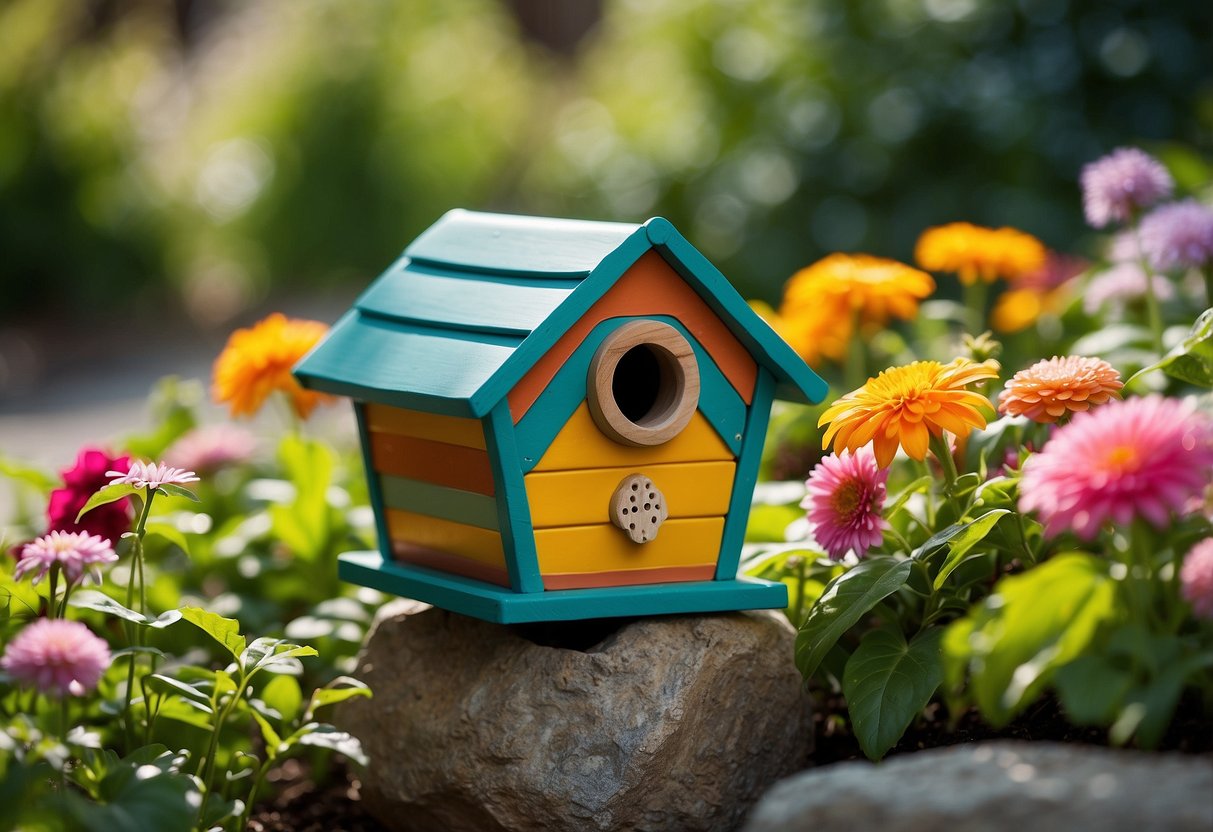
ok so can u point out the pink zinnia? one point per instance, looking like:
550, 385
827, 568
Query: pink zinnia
212, 447
1119, 284
1196, 578
1144, 457
1178, 236
57, 657
151, 475
1115, 187
77, 554
79, 484
846, 494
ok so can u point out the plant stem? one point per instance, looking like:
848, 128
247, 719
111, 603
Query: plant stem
206, 766
798, 612
939, 447
134, 632
975, 301
64, 704
53, 594
1207, 274
1152, 311
856, 369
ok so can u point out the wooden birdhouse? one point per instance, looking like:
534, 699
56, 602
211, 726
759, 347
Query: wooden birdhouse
559, 419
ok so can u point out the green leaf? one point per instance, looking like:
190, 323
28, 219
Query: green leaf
143, 791
171, 490
326, 736
968, 536
167, 684
905, 494
273, 655
282, 693
108, 494
273, 742
338, 690
1092, 689
226, 631
170, 533
846, 599
88, 599
304, 525
888, 682
768, 523
1191, 360
1031, 625
29, 475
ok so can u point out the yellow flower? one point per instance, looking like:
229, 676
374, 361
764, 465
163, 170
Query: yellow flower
876, 288
813, 332
257, 362
905, 406
973, 252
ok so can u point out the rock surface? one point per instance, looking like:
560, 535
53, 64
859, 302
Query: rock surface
673, 723
997, 787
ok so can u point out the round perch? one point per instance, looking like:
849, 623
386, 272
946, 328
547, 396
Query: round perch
643, 385
639, 508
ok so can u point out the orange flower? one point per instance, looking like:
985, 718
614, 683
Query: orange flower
257, 362
814, 332
876, 288
1050, 389
972, 252
905, 406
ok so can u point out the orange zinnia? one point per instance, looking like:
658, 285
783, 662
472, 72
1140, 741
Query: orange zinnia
874, 287
257, 362
813, 332
905, 406
974, 252
1054, 387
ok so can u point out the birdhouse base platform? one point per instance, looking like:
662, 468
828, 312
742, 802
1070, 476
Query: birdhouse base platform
504, 606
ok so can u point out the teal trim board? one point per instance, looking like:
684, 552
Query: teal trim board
513, 508
503, 606
745, 477
374, 491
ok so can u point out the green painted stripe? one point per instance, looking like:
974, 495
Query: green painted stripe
439, 501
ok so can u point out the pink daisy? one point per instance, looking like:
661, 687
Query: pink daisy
846, 495
77, 554
151, 475
1142, 457
1120, 184
212, 447
1196, 578
57, 657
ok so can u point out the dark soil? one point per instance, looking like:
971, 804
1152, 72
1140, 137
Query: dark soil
303, 807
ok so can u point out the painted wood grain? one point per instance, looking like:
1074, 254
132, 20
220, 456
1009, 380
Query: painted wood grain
452, 430
449, 563
630, 577
578, 498
453, 466
481, 545
603, 548
439, 501
513, 510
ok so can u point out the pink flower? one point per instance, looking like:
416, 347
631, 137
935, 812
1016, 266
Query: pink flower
76, 553
211, 448
846, 495
81, 482
1142, 457
1121, 183
1196, 578
1120, 284
1178, 236
151, 475
57, 657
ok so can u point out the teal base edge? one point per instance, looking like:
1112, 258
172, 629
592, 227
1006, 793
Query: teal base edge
504, 606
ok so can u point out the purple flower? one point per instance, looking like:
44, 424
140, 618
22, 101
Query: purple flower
1120, 284
1121, 183
1178, 236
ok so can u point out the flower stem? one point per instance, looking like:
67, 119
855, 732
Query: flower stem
53, 591
798, 613
134, 632
856, 369
1153, 315
939, 447
1207, 274
975, 301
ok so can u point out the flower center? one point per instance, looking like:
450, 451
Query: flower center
1121, 459
847, 498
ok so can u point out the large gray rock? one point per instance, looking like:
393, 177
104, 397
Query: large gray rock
997, 787
673, 723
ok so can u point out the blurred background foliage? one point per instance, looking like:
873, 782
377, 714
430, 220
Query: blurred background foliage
200, 157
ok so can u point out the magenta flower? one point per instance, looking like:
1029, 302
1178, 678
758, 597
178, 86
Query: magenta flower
151, 475
1120, 284
211, 448
81, 482
846, 495
1178, 236
1115, 187
78, 554
1196, 578
58, 657
1141, 457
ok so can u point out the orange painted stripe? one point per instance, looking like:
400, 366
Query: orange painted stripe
631, 577
449, 429
649, 287
446, 562
454, 466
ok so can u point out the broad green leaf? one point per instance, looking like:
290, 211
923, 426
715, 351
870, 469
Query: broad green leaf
1031, 625
768, 524
273, 655
888, 682
170, 533
304, 524
282, 693
226, 631
108, 494
167, 684
29, 475
142, 802
338, 690
846, 599
219, 810
171, 490
273, 742
139, 651
1192, 359
326, 736
88, 599
968, 536
899, 501
1092, 689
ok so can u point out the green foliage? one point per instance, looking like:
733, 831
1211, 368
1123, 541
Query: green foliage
887, 682
1191, 360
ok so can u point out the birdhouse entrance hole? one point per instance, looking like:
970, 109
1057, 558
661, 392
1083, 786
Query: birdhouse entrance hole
643, 385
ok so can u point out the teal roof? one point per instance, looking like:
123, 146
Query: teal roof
478, 298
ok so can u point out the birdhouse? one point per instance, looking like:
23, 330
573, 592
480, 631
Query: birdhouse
559, 420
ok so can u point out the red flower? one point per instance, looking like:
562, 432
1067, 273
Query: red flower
81, 482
